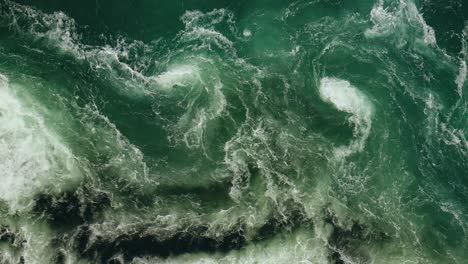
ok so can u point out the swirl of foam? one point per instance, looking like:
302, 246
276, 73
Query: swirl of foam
347, 98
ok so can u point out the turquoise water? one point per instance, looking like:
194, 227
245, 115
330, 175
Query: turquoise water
301, 131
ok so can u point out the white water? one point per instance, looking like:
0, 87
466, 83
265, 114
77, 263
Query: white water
402, 20
462, 73
32, 156
461, 77
347, 98
178, 75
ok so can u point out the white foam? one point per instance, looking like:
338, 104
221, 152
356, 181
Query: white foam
31, 156
399, 20
57, 27
347, 98
178, 75
461, 77
428, 32
462, 72
247, 33
298, 247
384, 22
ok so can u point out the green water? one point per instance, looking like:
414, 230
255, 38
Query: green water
252, 131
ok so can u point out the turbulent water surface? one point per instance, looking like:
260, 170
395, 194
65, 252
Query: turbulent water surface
249, 131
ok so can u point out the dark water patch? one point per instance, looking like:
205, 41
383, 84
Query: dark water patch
345, 242
190, 239
9, 236
71, 208
162, 243
13, 243
60, 257
6, 235
447, 17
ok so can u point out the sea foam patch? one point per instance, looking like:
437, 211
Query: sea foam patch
178, 75
31, 156
347, 98
401, 19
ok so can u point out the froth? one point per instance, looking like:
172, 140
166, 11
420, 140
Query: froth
178, 75
461, 77
462, 72
32, 157
347, 98
403, 21
59, 31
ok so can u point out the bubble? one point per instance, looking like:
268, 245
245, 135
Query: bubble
247, 33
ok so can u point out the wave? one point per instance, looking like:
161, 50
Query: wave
402, 20
223, 149
34, 158
59, 31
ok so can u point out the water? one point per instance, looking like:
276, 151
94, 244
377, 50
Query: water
305, 131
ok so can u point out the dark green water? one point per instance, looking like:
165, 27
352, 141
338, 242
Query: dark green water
215, 131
